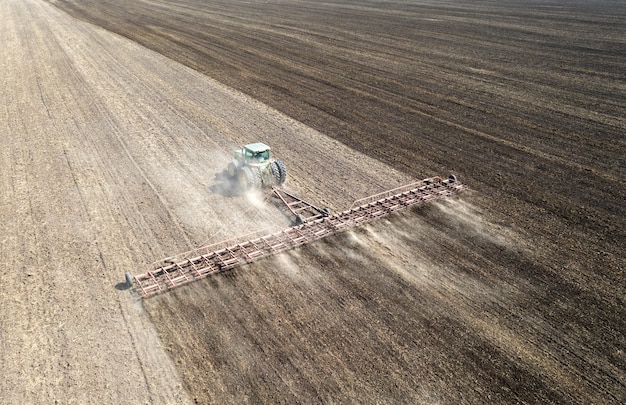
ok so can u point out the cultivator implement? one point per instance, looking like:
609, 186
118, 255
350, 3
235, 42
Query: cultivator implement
316, 224
301, 210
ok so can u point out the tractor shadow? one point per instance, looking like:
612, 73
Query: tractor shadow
225, 185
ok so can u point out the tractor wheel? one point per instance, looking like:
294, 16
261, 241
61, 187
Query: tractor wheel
280, 171
258, 178
245, 178
275, 173
249, 178
129, 280
232, 169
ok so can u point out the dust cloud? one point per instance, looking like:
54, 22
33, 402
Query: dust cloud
207, 204
420, 252
471, 219
290, 264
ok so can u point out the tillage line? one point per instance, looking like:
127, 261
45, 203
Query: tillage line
166, 276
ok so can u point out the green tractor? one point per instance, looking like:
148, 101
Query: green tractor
253, 168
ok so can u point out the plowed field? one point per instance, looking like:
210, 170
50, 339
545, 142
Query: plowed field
118, 115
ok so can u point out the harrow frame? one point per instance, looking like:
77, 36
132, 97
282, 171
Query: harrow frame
226, 255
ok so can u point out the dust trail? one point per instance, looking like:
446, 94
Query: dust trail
417, 252
488, 306
208, 203
387, 242
304, 268
471, 219
294, 266
257, 216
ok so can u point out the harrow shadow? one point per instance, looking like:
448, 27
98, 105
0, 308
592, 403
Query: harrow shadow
122, 286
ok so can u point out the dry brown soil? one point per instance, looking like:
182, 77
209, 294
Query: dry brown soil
513, 292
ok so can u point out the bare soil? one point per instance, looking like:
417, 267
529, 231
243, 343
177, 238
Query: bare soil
511, 293
110, 161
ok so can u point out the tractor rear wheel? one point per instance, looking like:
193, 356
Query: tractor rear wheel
245, 178
279, 171
275, 173
249, 178
258, 177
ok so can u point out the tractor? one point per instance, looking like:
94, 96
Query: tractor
253, 168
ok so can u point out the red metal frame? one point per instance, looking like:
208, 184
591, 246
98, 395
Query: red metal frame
226, 255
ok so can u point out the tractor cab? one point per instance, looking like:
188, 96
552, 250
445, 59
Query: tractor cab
254, 153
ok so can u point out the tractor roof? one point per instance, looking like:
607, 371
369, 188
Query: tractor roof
257, 147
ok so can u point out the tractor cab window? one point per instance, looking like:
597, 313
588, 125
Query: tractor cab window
258, 156
265, 155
